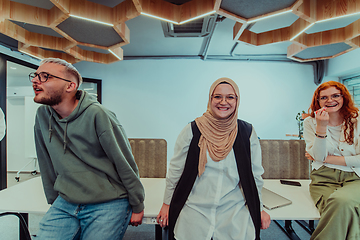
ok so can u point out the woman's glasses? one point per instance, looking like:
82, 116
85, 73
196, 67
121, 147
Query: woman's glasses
335, 97
229, 98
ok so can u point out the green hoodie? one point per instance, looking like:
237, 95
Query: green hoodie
86, 157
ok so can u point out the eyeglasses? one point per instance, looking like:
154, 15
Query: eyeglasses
44, 76
229, 98
335, 97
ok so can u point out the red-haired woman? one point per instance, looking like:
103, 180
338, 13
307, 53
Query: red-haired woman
332, 143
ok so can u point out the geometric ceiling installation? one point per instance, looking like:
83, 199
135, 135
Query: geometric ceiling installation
323, 28
96, 30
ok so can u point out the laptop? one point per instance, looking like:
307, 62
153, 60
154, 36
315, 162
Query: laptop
273, 200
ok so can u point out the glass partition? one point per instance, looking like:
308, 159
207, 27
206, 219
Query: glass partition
17, 149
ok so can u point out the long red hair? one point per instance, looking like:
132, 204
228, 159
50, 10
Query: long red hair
348, 111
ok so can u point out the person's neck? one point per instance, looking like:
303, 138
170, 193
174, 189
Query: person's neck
66, 107
335, 119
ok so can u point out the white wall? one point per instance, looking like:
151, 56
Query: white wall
344, 65
157, 98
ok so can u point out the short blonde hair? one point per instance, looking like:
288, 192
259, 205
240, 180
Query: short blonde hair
69, 68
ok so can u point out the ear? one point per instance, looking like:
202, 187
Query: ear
72, 86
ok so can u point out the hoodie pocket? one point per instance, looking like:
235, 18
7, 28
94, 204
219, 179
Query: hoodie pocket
87, 187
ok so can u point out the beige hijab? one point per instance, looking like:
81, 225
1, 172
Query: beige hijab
217, 135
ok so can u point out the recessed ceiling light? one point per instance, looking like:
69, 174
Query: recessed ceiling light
330, 19
200, 16
114, 54
92, 20
160, 18
302, 31
269, 16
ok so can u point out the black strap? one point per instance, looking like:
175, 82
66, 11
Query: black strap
186, 181
243, 160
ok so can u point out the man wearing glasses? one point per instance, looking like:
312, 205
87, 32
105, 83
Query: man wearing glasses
87, 168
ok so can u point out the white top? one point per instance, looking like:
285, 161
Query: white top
333, 144
2, 125
215, 207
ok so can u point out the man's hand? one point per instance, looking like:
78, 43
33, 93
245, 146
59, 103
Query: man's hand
136, 218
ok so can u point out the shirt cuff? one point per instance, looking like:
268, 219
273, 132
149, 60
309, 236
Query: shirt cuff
352, 161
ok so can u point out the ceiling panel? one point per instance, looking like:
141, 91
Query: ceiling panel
268, 24
46, 4
108, 3
93, 49
90, 32
37, 29
332, 24
8, 42
249, 9
275, 48
323, 51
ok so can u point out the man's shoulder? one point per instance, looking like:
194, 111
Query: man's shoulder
101, 112
42, 110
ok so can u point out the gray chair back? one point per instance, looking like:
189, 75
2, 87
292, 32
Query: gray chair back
150, 156
284, 159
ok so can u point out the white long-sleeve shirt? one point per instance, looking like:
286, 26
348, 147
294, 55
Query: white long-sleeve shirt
215, 207
333, 144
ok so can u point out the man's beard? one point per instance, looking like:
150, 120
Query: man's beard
53, 100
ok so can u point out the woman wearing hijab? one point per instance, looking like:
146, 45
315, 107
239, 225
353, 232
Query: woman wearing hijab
332, 136
214, 180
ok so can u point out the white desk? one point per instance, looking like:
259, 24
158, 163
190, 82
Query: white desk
302, 207
29, 197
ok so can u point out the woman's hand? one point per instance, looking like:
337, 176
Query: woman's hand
322, 119
265, 220
163, 216
308, 156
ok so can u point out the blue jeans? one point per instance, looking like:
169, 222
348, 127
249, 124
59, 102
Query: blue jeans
68, 221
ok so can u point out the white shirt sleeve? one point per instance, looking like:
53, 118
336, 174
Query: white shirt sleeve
2, 125
177, 162
315, 146
256, 162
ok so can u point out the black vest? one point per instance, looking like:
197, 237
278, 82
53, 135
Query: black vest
243, 160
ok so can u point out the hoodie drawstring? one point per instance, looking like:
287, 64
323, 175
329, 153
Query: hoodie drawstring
66, 124
51, 130
50, 127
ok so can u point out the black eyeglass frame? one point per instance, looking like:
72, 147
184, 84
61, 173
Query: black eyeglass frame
34, 75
